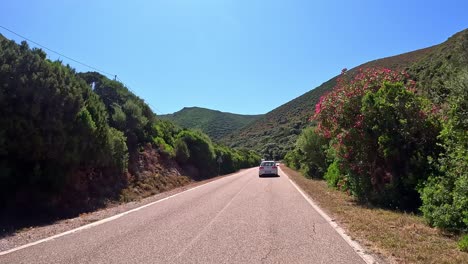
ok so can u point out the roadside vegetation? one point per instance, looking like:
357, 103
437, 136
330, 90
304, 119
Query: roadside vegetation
71, 141
394, 143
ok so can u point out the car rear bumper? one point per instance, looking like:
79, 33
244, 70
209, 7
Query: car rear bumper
273, 172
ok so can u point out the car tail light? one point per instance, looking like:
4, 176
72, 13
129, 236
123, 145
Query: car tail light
274, 167
261, 168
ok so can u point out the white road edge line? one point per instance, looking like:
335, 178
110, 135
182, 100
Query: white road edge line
105, 220
369, 259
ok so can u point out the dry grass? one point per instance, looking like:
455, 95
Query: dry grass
398, 237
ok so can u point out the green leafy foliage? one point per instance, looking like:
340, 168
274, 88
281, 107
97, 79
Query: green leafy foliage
201, 151
406, 138
445, 195
182, 152
292, 159
128, 112
309, 154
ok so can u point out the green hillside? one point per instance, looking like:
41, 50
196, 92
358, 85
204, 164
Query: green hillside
276, 132
440, 72
214, 123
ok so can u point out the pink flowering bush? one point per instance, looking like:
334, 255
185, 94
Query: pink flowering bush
382, 136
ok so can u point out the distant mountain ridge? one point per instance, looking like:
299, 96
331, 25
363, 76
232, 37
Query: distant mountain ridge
276, 132
214, 123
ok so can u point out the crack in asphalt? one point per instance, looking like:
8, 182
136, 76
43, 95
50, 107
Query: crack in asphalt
264, 258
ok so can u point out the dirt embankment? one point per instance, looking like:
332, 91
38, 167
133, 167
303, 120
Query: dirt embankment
152, 173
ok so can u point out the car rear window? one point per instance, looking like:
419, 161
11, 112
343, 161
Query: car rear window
268, 164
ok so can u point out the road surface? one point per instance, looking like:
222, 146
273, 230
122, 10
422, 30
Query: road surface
237, 219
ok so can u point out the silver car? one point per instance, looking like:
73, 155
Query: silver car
268, 168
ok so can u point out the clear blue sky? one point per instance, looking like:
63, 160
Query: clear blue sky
241, 56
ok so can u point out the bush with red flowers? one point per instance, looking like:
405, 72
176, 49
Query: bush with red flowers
382, 136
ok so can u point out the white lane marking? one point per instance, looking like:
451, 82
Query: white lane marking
369, 259
105, 220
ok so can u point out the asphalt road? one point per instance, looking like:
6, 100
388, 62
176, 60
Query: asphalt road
238, 219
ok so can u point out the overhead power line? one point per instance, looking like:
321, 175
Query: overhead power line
114, 76
130, 89
58, 53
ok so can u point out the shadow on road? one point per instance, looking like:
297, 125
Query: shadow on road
15, 220
269, 176
12, 223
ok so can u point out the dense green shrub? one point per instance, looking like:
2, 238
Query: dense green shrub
163, 147
181, 151
230, 160
166, 131
396, 122
201, 151
312, 148
128, 112
309, 154
445, 195
384, 136
292, 159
